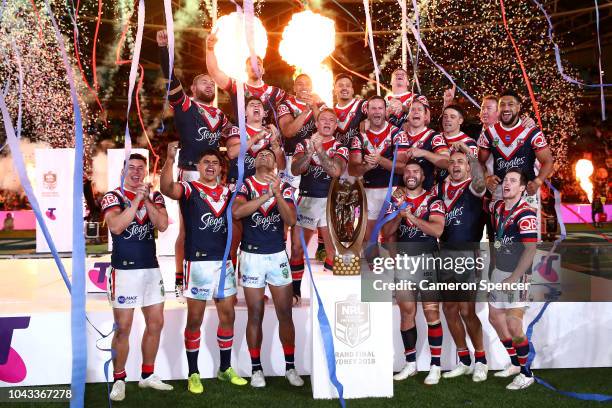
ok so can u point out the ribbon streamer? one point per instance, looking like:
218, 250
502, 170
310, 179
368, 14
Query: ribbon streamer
601, 90
170, 31
417, 37
78, 317
366, 6
534, 102
347, 69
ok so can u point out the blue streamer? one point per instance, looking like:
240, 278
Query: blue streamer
326, 333
78, 317
558, 52
530, 327
601, 90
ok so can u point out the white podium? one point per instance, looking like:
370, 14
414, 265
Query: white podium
362, 336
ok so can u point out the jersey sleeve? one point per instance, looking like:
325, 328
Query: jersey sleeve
283, 110
484, 141
234, 132
110, 201
341, 152
538, 141
231, 86
356, 143
438, 144
528, 226
402, 141
186, 190
436, 207
288, 193
158, 200
299, 149
244, 193
280, 96
364, 107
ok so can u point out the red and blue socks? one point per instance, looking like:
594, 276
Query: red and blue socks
434, 337
192, 348
225, 339
409, 338
297, 272
289, 352
464, 356
255, 359
521, 344
147, 370
119, 375
511, 351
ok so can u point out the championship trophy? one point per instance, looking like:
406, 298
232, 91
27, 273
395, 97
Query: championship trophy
347, 217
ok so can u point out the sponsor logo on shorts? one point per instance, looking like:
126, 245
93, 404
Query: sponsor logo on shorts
127, 300
200, 291
249, 279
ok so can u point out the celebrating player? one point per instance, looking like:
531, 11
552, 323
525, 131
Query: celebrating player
270, 96
296, 119
426, 146
266, 206
204, 205
371, 157
398, 102
132, 214
318, 160
200, 127
350, 111
417, 228
512, 144
462, 194
515, 226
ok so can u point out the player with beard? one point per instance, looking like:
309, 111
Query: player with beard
266, 206
512, 144
516, 234
462, 193
398, 101
200, 126
270, 96
417, 229
452, 119
371, 157
349, 110
425, 145
318, 160
204, 205
134, 280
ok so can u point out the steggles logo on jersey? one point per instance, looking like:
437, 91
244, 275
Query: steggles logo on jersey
139, 231
409, 231
265, 222
352, 323
502, 164
211, 222
453, 215
317, 171
206, 135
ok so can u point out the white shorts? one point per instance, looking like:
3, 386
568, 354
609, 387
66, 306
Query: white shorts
507, 299
203, 278
259, 269
130, 288
188, 175
311, 212
288, 177
376, 198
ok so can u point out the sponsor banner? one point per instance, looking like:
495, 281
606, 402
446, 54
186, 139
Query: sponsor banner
53, 188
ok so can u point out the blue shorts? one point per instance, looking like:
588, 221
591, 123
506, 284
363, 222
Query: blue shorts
259, 269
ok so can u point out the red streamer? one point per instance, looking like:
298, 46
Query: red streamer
359, 75
534, 103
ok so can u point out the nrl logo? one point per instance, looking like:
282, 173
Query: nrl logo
352, 326
50, 180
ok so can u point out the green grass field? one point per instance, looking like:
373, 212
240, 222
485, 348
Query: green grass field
459, 392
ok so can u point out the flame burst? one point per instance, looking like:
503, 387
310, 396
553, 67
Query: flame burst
232, 49
308, 39
584, 170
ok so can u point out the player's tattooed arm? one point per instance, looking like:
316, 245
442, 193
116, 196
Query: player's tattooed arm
176, 89
118, 220
167, 185
301, 161
334, 168
476, 170
287, 212
291, 125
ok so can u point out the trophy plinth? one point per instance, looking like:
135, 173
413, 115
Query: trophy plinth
347, 217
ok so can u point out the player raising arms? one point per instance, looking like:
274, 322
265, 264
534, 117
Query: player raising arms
204, 205
350, 111
200, 127
135, 280
371, 157
296, 119
515, 225
462, 194
426, 146
398, 102
266, 206
416, 231
270, 96
318, 160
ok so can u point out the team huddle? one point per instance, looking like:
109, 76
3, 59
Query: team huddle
446, 188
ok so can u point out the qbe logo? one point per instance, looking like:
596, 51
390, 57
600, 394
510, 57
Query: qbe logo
194, 291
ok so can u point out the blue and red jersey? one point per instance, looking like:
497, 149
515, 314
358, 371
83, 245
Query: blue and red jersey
315, 181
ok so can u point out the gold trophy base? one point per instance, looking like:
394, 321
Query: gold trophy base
346, 265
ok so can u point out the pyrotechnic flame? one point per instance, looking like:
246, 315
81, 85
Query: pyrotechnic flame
232, 49
308, 39
584, 170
